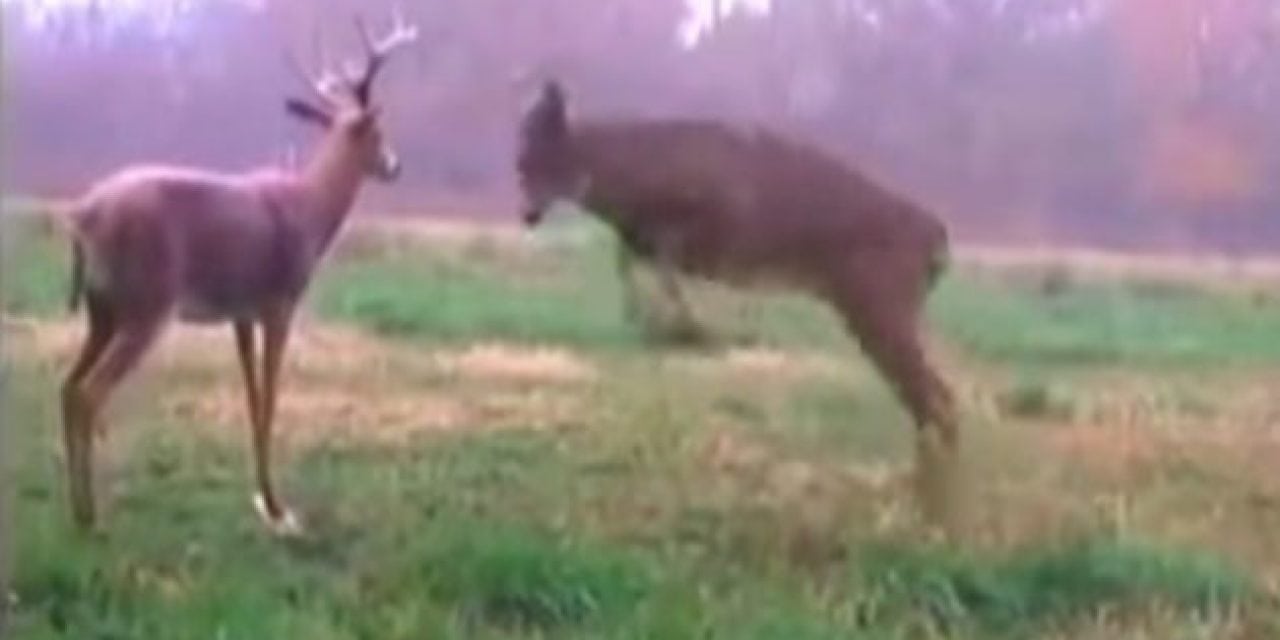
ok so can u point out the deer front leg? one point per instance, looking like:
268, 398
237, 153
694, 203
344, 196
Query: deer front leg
684, 328
625, 263
275, 332
247, 351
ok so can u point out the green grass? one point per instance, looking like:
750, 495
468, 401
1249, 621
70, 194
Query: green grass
1015, 593
34, 268
1106, 322
623, 521
467, 292
564, 290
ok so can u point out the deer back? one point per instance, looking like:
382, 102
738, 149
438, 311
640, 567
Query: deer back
218, 245
738, 203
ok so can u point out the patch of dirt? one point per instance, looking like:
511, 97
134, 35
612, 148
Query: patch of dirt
321, 347
435, 230
495, 361
760, 363
311, 345
776, 362
1108, 449
44, 339
326, 412
316, 346
343, 383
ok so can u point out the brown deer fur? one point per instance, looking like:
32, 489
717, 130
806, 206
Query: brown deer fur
156, 242
750, 207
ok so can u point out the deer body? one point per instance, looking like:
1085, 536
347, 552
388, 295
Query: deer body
210, 247
749, 207
742, 206
155, 243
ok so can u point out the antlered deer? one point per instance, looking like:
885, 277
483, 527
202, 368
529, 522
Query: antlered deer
743, 207
154, 242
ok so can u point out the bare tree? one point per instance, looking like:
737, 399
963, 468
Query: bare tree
152, 242
751, 207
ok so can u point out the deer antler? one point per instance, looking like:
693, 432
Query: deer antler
377, 51
325, 86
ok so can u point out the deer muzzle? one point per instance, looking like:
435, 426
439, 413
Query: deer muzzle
531, 216
388, 166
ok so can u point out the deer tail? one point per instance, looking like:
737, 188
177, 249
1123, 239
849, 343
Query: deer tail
77, 276
939, 258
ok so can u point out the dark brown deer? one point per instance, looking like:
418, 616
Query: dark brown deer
152, 243
748, 207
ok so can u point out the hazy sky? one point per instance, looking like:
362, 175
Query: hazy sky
700, 14
700, 11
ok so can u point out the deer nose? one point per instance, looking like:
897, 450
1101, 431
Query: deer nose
390, 169
532, 216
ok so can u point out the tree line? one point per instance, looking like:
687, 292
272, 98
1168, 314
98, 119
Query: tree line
1133, 123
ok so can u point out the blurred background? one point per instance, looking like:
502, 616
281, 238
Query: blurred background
1128, 124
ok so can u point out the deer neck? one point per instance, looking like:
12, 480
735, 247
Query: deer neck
332, 181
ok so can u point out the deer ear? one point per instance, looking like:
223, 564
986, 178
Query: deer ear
547, 118
553, 94
308, 112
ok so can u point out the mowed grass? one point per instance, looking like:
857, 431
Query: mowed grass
483, 448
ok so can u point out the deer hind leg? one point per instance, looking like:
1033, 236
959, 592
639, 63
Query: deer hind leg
76, 431
246, 350
884, 317
85, 395
275, 331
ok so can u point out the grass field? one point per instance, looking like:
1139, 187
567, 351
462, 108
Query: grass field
483, 448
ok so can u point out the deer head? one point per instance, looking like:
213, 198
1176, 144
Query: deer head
345, 108
548, 167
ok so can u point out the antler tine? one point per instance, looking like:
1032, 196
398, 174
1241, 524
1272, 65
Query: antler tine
377, 51
366, 38
322, 86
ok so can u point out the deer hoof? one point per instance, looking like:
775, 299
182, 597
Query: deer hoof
682, 335
87, 526
284, 524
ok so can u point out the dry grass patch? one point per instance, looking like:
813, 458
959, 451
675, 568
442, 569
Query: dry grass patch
798, 507
1113, 452
763, 364
321, 348
505, 362
314, 413
440, 230
341, 383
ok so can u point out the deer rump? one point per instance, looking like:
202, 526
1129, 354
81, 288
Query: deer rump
750, 208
